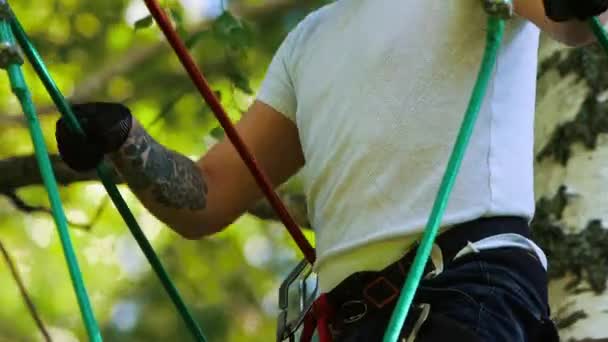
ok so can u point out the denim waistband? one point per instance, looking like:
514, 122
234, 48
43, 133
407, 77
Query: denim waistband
450, 243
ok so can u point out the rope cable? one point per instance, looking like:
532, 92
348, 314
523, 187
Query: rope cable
600, 33
21, 91
495, 32
105, 176
205, 90
494, 37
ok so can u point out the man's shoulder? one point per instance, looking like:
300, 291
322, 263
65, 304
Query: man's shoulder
313, 22
320, 15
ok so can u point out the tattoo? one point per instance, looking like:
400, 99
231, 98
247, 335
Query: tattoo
174, 180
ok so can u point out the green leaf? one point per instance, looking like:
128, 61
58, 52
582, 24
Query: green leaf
240, 81
177, 13
217, 132
195, 38
237, 76
144, 22
231, 31
181, 31
225, 23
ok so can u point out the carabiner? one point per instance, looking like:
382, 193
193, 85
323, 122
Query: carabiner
286, 329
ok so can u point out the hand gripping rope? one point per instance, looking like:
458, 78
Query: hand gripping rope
11, 61
8, 54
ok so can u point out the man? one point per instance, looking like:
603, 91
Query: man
367, 97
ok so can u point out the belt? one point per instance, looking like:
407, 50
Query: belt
382, 287
364, 292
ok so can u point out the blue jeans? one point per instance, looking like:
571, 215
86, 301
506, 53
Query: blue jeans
496, 295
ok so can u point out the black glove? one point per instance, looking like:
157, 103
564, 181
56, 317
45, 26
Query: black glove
107, 126
562, 10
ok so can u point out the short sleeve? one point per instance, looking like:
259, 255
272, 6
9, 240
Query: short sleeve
277, 89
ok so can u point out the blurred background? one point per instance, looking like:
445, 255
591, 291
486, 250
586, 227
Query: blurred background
109, 50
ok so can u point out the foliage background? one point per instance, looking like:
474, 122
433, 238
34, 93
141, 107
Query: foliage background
95, 52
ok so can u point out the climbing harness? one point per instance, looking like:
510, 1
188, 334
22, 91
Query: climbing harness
286, 327
311, 313
498, 11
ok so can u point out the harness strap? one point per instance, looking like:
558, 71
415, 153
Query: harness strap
319, 316
309, 327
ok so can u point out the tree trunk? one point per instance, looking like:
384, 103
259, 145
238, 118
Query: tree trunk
571, 180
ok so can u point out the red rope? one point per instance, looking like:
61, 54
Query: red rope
319, 317
199, 81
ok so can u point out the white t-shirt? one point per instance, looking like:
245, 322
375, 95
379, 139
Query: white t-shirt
378, 89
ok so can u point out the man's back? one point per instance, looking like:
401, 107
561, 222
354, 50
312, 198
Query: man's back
377, 90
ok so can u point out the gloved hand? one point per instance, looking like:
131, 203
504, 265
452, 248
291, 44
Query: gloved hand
107, 126
562, 10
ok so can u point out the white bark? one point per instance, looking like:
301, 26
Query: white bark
586, 178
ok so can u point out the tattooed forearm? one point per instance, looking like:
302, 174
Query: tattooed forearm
174, 180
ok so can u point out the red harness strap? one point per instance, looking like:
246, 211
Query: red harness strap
319, 316
199, 81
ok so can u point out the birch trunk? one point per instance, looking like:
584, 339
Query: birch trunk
571, 180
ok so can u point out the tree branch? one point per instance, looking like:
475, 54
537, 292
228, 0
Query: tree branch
18, 172
26, 297
21, 205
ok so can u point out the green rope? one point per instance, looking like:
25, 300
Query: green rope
22, 92
494, 37
599, 32
103, 171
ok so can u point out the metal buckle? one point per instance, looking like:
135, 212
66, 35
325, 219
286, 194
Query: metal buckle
287, 329
379, 282
500, 8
